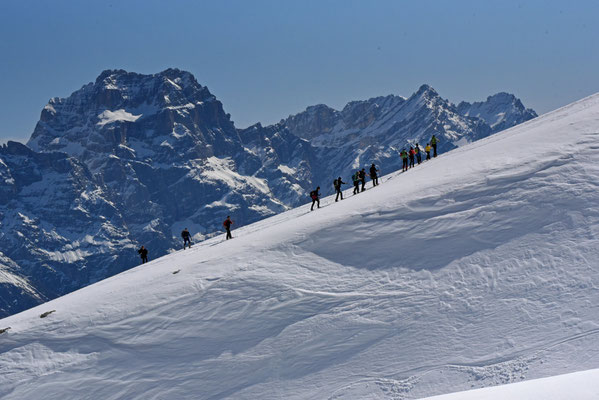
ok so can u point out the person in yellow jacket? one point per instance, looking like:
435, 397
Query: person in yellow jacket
428, 151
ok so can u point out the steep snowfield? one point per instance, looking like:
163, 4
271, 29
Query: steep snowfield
475, 269
578, 385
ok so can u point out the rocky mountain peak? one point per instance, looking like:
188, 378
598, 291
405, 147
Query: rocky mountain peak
166, 116
500, 111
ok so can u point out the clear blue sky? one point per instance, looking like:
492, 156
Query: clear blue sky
267, 59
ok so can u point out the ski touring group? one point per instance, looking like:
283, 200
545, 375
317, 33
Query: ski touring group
186, 236
410, 158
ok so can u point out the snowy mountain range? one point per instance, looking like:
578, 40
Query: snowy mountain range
133, 159
451, 276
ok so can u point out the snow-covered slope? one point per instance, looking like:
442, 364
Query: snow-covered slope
582, 385
475, 269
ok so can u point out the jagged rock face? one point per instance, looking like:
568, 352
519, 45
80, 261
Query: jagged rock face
314, 122
162, 118
289, 164
500, 111
16, 292
59, 231
133, 159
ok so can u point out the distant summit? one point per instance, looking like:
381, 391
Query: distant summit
500, 111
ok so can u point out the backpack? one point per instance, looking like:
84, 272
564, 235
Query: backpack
336, 183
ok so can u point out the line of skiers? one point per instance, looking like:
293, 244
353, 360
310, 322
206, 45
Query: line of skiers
415, 154
186, 236
358, 178
409, 159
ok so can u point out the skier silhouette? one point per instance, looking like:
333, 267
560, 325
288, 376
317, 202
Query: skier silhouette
186, 238
404, 160
143, 253
434, 144
227, 224
356, 180
418, 152
362, 176
337, 183
314, 195
373, 176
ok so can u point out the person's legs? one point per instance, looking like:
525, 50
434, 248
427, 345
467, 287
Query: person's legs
435, 150
229, 236
363, 184
313, 201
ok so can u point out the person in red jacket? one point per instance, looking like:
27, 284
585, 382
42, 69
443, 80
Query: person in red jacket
412, 153
315, 196
227, 224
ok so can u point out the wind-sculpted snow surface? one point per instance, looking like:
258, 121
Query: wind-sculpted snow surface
583, 385
478, 268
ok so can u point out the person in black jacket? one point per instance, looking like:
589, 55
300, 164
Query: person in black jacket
373, 175
363, 179
314, 195
186, 238
143, 253
337, 183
